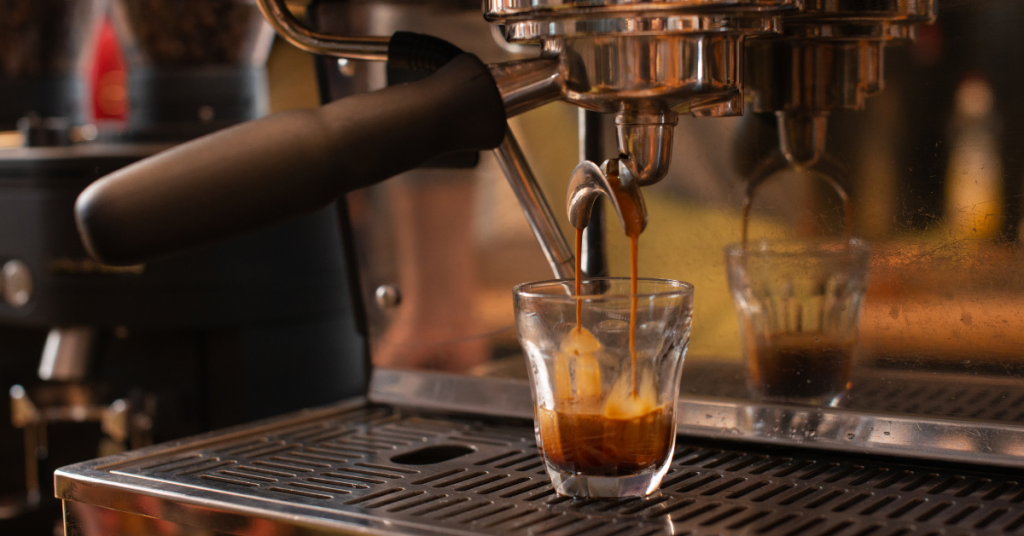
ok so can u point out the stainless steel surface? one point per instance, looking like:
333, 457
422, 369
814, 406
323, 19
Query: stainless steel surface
364, 469
535, 207
927, 416
66, 353
527, 84
452, 393
353, 48
645, 60
611, 180
531, 21
17, 282
647, 139
831, 56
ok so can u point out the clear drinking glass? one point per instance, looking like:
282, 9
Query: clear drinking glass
605, 422
799, 305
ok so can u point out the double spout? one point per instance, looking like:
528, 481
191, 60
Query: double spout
613, 180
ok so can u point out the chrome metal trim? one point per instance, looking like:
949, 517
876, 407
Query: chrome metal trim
979, 442
535, 207
455, 393
525, 85
353, 48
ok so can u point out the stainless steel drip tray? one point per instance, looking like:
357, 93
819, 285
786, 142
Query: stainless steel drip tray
360, 468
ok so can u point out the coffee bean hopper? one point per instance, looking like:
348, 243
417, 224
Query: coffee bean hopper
442, 442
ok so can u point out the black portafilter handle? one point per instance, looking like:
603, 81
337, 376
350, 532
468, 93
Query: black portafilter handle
268, 170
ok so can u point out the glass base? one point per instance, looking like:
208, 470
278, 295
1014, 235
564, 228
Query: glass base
579, 485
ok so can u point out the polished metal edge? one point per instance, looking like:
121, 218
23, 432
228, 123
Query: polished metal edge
452, 393
958, 440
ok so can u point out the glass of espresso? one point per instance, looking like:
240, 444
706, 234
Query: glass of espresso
799, 306
605, 379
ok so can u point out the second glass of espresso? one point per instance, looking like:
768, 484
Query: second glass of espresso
605, 387
799, 308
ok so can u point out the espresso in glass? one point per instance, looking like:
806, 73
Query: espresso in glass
812, 366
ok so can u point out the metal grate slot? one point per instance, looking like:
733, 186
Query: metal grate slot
773, 492
532, 456
963, 514
301, 493
722, 516
264, 471
413, 504
170, 463
203, 466
934, 511
726, 458
868, 530
742, 492
1014, 525
723, 487
945, 484
779, 522
990, 518
798, 496
906, 508
392, 499
878, 505
284, 466
338, 483
822, 468
869, 474
706, 480
318, 488
836, 529
825, 499
353, 478
263, 450
481, 482
250, 477
920, 481
802, 529
745, 521
233, 481
696, 512
321, 457
463, 509
769, 465
796, 466
290, 460
374, 495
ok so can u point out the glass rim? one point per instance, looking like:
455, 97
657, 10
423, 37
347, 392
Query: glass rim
824, 246
680, 288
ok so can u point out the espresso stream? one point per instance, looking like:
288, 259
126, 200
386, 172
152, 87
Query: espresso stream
624, 432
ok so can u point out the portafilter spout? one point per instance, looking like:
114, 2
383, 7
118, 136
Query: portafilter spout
612, 180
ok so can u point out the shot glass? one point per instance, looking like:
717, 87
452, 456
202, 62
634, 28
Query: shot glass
605, 406
799, 306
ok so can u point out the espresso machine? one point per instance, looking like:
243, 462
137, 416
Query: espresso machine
98, 359
674, 95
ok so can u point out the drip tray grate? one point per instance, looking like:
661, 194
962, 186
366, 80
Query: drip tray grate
387, 471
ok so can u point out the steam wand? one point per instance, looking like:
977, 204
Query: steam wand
612, 180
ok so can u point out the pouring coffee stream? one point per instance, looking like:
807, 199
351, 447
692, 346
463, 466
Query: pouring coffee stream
614, 181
